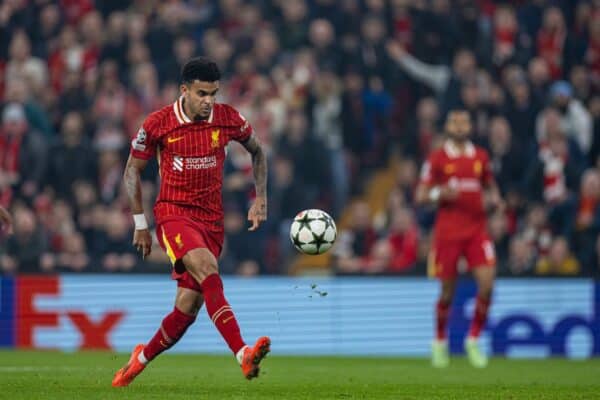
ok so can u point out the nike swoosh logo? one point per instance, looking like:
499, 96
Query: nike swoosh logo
226, 320
173, 140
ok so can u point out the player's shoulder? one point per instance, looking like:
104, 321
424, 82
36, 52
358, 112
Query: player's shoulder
160, 120
227, 115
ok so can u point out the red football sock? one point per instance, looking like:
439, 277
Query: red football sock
171, 330
479, 317
221, 313
442, 312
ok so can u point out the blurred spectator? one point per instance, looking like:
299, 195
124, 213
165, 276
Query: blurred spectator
354, 245
445, 81
418, 139
521, 112
558, 261
539, 78
507, 158
587, 217
71, 158
115, 249
307, 154
243, 247
23, 153
592, 53
22, 65
575, 120
521, 260
555, 174
554, 43
327, 125
25, 249
536, 230
403, 241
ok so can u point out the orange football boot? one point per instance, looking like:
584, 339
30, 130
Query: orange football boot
133, 368
254, 355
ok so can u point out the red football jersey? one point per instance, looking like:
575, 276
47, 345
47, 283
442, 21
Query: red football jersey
190, 156
468, 172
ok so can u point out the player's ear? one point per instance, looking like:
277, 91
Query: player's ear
183, 88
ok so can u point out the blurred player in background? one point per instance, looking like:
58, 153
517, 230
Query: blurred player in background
189, 137
454, 178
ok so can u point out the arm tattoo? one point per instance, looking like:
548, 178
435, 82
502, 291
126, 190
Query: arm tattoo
259, 165
133, 187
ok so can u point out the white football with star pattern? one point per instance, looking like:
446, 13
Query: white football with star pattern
313, 232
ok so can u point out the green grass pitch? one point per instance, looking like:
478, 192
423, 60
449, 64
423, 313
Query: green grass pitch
54, 375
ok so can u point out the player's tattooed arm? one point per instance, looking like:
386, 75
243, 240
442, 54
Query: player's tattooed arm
142, 240
132, 182
258, 210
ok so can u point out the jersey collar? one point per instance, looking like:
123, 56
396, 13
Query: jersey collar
452, 150
182, 118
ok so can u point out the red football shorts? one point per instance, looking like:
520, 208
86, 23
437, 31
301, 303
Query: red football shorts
179, 235
478, 250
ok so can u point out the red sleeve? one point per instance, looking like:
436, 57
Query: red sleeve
143, 144
429, 171
487, 176
242, 129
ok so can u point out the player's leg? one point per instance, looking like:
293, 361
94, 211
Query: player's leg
202, 265
443, 265
172, 328
187, 304
440, 357
481, 258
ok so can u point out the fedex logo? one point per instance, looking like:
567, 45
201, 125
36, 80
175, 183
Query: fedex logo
526, 328
20, 317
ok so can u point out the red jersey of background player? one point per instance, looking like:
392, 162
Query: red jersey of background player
468, 172
190, 156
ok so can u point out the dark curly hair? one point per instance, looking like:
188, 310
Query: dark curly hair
200, 68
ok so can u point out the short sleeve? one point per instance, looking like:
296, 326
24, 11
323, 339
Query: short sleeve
143, 144
429, 175
242, 129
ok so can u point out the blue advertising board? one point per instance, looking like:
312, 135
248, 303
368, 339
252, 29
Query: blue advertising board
325, 316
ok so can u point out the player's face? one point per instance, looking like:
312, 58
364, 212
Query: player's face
200, 98
458, 125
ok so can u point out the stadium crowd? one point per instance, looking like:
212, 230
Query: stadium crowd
335, 89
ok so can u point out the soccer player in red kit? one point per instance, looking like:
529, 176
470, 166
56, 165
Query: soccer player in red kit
455, 178
189, 137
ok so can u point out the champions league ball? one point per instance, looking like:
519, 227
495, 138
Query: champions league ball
313, 232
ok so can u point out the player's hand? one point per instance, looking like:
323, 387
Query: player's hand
257, 212
142, 240
448, 193
6, 221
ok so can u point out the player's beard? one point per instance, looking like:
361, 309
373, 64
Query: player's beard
459, 139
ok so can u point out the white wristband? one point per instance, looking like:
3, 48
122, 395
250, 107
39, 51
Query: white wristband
434, 194
140, 222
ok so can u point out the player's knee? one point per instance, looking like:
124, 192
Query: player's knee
188, 301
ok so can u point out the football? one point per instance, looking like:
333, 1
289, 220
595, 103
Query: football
313, 232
